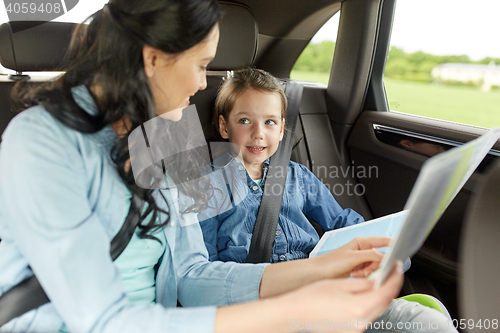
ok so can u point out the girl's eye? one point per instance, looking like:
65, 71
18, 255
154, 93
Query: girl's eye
244, 121
270, 122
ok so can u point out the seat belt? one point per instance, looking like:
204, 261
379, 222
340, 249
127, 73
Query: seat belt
29, 294
264, 231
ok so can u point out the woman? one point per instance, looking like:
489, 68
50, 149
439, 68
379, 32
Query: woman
66, 186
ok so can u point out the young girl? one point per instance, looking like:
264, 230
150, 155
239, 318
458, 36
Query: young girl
250, 112
66, 184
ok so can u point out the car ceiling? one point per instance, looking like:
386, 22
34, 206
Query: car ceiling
289, 12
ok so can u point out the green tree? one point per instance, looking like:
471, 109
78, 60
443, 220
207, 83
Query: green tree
416, 66
395, 52
487, 60
398, 67
316, 57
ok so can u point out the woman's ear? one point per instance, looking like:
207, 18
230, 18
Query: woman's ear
150, 58
223, 127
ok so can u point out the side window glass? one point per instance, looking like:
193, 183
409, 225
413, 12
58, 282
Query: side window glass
315, 61
446, 66
5, 71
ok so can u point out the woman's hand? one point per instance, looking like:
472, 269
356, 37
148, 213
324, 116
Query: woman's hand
323, 306
342, 305
358, 258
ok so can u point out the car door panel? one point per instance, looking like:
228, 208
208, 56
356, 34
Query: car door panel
397, 171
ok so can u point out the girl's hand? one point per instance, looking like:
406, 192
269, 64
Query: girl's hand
358, 258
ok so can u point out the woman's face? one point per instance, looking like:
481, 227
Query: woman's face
175, 78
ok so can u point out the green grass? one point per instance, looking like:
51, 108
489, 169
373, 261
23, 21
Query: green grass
310, 76
467, 105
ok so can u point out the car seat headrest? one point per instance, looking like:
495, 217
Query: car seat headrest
42, 47
39, 48
238, 38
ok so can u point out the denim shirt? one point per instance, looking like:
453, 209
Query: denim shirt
228, 233
61, 203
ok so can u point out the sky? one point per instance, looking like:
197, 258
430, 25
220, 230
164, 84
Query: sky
439, 27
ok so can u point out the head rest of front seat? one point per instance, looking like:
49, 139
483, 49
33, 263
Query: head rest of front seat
238, 38
41, 47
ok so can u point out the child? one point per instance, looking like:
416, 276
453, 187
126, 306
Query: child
250, 112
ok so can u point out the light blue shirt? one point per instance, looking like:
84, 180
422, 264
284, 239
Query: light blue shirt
136, 264
61, 203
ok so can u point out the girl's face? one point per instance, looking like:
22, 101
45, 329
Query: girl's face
175, 78
255, 126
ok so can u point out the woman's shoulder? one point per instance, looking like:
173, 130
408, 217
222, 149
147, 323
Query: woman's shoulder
36, 113
34, 134
34, 123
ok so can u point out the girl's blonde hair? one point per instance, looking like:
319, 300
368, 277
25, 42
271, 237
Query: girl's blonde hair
240, 81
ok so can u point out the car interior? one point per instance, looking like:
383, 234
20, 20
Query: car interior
478, 288
343, 128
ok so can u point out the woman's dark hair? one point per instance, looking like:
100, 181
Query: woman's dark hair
107, 53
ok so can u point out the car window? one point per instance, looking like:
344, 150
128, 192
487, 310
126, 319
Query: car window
315, 61
444, 62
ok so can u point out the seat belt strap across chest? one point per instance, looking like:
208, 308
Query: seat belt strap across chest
264, 232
